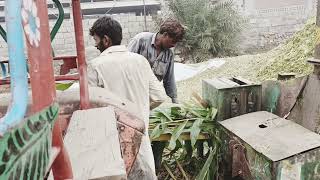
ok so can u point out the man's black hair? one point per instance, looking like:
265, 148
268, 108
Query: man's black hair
174, 29
107, 26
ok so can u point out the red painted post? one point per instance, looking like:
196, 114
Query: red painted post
42, 76
82, 65
61, 167
41, 66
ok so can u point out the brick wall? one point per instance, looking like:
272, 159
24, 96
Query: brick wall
64, 42
272, 22
268, 25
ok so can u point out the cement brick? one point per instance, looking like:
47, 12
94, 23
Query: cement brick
132, 18
69, 41
68, 35
58, 41
125, 30
69, 47
149, 18
59, 35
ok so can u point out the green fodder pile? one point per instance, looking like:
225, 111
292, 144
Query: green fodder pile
292, 56
289, 57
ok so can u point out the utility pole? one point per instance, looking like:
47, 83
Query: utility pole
145, 15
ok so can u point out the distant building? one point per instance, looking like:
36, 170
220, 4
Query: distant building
100, 7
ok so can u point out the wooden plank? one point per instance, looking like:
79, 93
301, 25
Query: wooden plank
72, 58
243, 81
184, 136
229, 82
67, 77
219, 83
70, 77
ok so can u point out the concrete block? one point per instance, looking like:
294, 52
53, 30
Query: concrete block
68, 35
58, 41
105, 130
68, 46
132, 18
70, 41
125, 30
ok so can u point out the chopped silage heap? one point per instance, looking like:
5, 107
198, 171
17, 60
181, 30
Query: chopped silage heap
290, 57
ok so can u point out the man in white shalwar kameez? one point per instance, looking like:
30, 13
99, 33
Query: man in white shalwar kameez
129, 76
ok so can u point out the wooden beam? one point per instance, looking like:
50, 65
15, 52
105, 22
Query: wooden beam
184, 136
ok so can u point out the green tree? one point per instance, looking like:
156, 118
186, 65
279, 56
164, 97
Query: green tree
212, 29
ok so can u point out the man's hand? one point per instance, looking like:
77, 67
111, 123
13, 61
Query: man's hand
175, 100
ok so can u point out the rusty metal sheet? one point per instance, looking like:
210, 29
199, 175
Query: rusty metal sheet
232, 97
279, 96
130, 138
307, 110
69, 102
240, 164
271, 92
302, 166
131, 128
274, 137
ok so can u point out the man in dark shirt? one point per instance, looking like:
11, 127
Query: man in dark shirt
155, 47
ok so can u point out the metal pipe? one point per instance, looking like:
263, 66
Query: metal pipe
82, 65
19, 82
145, 16
3, 33
3, 69
40, 58
60, 19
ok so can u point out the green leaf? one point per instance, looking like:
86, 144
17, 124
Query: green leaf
153, 120
195, 131
160, 113
196, 113
178, 146
63, 86
167, 131
206, 166
163, 120
156, 132
214, 112
175, 111
175, 135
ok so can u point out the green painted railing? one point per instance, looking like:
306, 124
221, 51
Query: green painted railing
59, 21
3, 33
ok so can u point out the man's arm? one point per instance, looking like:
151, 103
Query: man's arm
134, 46
157, 94
93, 77
169, 82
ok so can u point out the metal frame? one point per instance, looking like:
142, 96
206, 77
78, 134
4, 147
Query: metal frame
42, 78
19, 83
